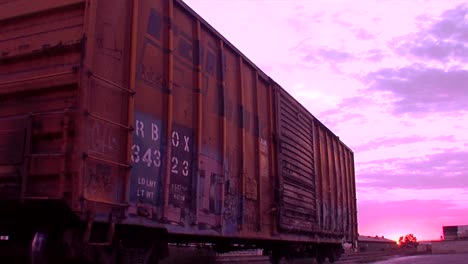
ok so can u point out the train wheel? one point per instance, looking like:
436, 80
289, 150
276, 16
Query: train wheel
335, 254
38, 248
46, 247
153, 255
280, 259
320, 258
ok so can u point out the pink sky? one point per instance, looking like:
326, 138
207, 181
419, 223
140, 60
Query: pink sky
390, 78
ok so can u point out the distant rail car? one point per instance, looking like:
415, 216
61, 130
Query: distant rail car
127, 125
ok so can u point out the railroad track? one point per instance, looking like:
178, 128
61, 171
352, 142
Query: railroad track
243, 259
353, 258
192, 255
366, 257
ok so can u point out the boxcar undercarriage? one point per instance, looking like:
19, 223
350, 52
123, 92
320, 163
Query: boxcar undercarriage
59, 236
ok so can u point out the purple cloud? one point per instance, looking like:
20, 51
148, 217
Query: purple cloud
453, 25
437, 50
347, 104
355, 102
442, 170
443, 40
331, 55
374, 55
333, 122
301, 21
416, 89
389, 142
364, 34
423, 90
333, 117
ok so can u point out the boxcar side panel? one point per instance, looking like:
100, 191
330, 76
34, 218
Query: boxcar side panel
344, 203
296, 164
105, 89
336, 192
325, 190
233, 166
250, 160
211, 176
314, 174
354, 201
151, 112
339, 186
197, 101
180, 139
266, 185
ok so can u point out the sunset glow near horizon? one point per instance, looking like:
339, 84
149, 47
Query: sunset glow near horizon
389, 78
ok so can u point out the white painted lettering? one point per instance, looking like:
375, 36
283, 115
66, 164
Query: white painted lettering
147, 158
175, 163
154, 132
185, 170
186, 148
179, 197
139, 129
140, 192
136, 154
157, 158
149, 195
175, 139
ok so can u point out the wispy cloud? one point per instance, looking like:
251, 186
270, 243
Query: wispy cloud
443, 40
374, 55
436, 171
363, 34
423, 90
329, 55
453, 24
389, 142
456, 197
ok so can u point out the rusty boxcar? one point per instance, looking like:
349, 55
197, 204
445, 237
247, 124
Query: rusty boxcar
127, 125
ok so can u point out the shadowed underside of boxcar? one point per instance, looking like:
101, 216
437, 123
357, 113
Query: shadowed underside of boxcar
126, 125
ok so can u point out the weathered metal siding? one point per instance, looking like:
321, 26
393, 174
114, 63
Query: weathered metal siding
64, 83
39, 56
234, 150
198, 102
295, 165
104, 96
336, 198
166, 115
315, 172
148, 110
266, 171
